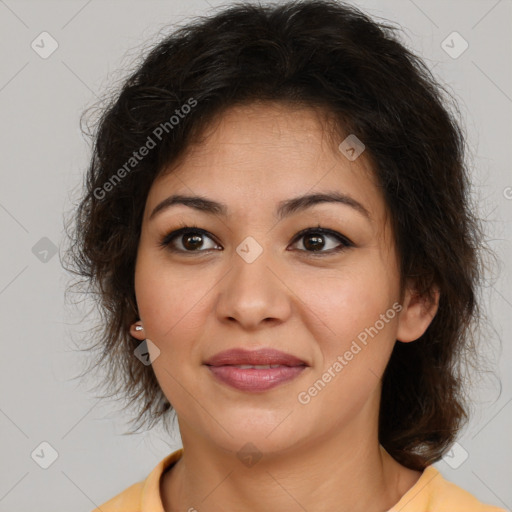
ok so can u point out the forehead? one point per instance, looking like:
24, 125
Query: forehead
256, 155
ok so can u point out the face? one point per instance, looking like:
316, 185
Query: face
316, 280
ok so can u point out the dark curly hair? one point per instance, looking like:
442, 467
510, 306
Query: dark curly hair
321, 54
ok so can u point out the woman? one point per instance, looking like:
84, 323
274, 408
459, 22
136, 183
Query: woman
277, 223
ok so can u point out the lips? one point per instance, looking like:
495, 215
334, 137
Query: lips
259, 357
257, 370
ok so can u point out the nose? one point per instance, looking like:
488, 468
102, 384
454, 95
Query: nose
253, 294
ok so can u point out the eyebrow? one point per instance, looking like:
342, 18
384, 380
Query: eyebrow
285, 208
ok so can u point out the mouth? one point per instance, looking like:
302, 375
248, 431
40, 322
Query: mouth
255, 371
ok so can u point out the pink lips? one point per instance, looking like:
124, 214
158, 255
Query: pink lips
230, 367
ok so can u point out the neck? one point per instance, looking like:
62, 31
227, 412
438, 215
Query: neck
346, 472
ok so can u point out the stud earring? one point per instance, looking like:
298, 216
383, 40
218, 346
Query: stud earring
139, 328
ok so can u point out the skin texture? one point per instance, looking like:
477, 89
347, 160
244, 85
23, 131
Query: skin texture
323, 455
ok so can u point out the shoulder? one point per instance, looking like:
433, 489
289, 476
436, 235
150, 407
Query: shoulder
143, 496
433, 493
128, 500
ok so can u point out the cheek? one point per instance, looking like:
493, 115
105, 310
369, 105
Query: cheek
348, 302
354, 341
172, 306
357, 331
169, 300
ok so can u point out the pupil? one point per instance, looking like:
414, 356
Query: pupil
318, 242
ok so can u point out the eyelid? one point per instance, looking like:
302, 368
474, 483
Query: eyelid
324, 231
170, 236
344, 241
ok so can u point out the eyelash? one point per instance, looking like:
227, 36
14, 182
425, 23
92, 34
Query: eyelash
166, 241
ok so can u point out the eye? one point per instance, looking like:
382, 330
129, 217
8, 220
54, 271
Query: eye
314, 241
188, 239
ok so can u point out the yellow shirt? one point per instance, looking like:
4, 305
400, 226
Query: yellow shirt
431, 493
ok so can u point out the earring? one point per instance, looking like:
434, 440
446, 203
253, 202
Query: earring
139, 328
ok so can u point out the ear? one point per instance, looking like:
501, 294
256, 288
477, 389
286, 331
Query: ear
417, 313
137, 333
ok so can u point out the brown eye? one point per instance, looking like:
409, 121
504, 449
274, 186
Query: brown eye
318, 239
188, 240
314, 242
192, 241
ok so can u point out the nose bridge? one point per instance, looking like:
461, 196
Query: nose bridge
251, 291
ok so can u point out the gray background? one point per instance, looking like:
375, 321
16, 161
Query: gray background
43, 157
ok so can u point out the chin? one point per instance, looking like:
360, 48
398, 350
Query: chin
262, 433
